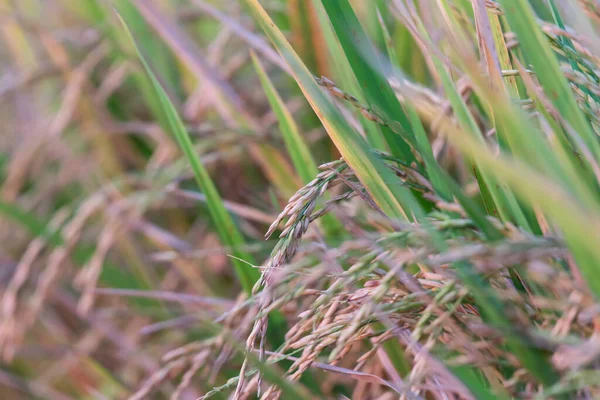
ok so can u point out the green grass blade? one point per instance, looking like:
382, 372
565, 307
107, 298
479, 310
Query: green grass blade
578, 221
432, 167
99, 13
223, 222
378, 92
532, 146
521, 19
346, 76
469, 377
295, 144
163, 62
492, 197
394, 200
512, 88
498, 199
487, 300
297, 148
443, 184
227, 230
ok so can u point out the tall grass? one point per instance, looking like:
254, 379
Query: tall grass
300, 199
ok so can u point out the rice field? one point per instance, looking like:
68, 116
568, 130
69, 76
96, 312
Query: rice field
299, 199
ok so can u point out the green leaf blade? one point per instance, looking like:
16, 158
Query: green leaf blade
224, 224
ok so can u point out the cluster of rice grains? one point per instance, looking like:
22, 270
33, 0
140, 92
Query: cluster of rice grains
347, 303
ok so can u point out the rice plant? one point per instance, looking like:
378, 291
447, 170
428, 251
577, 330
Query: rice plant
336, 199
